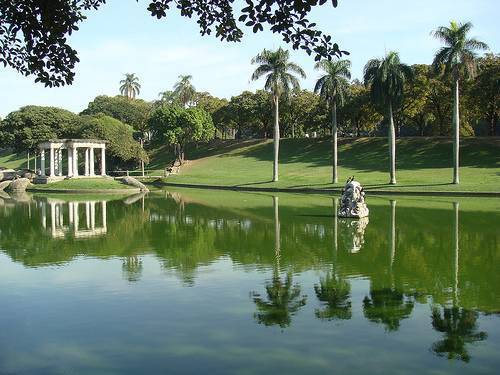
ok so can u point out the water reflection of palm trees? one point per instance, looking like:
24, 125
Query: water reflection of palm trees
284, 298
387, 306
459, 328
458, 325
335, 293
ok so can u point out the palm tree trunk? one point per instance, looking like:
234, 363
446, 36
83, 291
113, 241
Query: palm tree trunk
392, 148
457, 250
28, 159
335, 178
276, 138
277, 232
335, 224
456, 134
392, 237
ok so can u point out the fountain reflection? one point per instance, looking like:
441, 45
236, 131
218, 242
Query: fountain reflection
353, 233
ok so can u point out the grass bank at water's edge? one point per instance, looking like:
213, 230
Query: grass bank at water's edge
84, 184
423, 164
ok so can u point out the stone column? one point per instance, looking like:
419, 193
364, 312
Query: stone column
103, 161
51, 161
53, 217
91, 161
92, 215
104, 214
86, 169
75, 216
75, 161
42, 162
44, 215
59, 162
70, 162
87, 213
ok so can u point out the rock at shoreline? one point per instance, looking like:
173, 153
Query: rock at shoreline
352, 203
4, 184
18, 185
133, 182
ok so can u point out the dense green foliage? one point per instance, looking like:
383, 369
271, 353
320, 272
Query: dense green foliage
23, 129
122, 150
134, 112
179, 126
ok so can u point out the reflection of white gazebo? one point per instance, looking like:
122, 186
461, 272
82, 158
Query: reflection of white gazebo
72, 148
59, 227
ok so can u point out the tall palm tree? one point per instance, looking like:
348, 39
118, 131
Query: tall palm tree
387, 78
130, 86
280, 80
332, 88
184, 90
458, 57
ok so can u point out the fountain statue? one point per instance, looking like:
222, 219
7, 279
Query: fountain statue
352, 203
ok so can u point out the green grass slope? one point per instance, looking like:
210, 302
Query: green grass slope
84, 184
423, 164
13, 160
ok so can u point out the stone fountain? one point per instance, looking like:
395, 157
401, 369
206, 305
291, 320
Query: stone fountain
352, 202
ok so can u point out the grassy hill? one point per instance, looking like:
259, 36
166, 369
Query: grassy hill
423, 164
8, 159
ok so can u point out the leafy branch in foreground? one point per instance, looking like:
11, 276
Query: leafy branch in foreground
33, 33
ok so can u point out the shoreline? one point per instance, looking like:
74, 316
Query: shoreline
325, 190
84, 191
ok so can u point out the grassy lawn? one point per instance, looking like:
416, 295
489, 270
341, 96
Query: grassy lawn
423, 164
85, 184
14, 161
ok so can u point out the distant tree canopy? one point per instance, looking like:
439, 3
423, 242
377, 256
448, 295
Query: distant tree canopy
122, 149
34, 34
179, 126
133, 112
25, 128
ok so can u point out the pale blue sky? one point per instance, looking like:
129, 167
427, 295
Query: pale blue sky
122, 37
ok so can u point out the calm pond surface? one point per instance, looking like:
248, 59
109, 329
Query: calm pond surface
223, 282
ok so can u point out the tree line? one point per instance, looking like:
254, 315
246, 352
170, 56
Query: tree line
393, 99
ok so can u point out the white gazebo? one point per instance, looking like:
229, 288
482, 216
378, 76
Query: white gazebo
72, 148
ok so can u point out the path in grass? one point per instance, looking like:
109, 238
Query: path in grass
423, 164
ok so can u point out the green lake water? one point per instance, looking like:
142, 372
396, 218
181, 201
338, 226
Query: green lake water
192, 281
